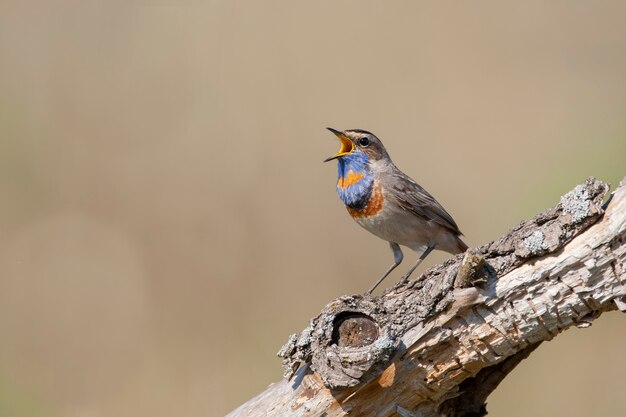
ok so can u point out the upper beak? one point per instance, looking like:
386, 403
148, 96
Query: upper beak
346, 145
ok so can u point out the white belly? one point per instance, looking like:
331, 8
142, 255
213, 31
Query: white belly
407, 229
402, 228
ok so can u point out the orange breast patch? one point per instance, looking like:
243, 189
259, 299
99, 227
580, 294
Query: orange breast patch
374, 206
351, 179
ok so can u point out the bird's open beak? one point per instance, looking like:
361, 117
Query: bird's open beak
347, 146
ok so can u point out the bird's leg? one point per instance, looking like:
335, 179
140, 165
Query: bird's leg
428, 250
397, 258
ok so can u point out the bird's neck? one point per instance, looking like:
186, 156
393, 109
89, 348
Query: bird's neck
355, 182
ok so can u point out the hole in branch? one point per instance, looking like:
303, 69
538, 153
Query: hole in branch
352, 329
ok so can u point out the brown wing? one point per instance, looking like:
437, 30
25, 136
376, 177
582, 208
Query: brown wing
412, 197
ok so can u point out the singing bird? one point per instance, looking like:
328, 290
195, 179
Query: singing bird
388, 203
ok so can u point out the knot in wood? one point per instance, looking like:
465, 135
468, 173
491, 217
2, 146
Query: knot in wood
353, 329
351, 341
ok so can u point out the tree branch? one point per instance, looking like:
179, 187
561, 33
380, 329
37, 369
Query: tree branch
441, 344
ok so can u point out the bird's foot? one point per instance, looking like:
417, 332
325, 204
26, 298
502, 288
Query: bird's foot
404, 279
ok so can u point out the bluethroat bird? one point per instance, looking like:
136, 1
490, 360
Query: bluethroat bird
388, 203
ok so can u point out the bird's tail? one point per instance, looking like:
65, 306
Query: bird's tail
461, 246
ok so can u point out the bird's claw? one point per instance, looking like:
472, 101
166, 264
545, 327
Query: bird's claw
404, 279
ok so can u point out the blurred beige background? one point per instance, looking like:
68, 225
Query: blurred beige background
166, 221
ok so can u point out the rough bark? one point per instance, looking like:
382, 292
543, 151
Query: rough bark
439, 345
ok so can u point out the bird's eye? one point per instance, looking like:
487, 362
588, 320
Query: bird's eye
364, 142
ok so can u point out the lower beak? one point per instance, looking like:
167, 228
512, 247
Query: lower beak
346, 145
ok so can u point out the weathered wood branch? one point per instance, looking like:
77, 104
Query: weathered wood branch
441, 344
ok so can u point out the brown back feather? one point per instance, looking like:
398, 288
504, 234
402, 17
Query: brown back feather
414, 198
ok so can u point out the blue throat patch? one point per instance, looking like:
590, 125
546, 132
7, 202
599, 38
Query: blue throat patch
357, 194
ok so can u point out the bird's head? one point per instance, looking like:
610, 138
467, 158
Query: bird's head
357, 142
